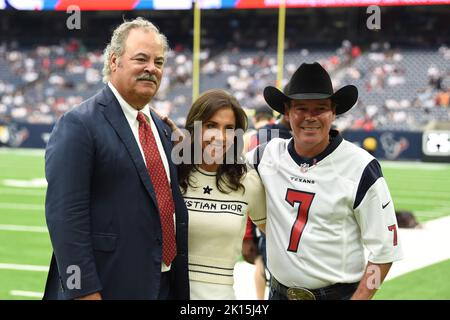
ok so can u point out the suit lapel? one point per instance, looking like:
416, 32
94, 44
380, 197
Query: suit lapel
114, 115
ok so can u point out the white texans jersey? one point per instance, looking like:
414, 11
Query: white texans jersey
322, 212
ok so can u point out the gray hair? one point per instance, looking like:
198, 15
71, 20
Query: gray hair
119, 37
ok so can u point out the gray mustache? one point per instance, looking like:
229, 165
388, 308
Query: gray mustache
148, 77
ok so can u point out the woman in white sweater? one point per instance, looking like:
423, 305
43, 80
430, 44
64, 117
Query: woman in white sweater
219, 192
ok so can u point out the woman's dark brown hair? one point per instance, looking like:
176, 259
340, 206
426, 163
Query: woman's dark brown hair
228, 175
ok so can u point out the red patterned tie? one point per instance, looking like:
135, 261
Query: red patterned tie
161, 186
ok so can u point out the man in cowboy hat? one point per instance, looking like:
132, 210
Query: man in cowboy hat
327, 199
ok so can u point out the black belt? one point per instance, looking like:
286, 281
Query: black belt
336, 291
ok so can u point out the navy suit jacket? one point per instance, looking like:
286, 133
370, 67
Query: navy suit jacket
101, 208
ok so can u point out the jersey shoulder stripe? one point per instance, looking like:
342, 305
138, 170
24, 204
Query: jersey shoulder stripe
277, 144
257, 155
372, 172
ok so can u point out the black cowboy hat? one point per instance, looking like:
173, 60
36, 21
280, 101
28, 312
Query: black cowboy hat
310, 82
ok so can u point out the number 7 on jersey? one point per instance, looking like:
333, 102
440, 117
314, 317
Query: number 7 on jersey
304, 200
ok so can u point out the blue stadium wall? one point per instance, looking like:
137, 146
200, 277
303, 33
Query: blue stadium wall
390, 145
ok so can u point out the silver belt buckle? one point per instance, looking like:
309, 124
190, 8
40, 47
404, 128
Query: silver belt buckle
300, 294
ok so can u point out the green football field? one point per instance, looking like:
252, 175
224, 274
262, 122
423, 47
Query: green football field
430, 283
25, 248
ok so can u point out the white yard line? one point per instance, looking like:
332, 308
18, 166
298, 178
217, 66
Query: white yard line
436, 213
22, 206
23, 267
23, 152
36, 183
28, 294
424, 193
22, 192
11, 227
414, 165
415, 201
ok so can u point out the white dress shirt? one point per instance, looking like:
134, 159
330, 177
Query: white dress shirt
131, 116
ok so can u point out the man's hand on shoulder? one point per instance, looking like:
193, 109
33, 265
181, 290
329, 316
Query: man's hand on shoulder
172, 126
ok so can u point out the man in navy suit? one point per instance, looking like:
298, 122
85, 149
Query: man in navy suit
101, 207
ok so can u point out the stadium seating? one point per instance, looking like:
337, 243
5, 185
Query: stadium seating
396, 90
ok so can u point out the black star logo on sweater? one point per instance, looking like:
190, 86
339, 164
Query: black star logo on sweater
207, 190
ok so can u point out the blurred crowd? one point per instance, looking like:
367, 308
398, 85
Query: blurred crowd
397, 86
